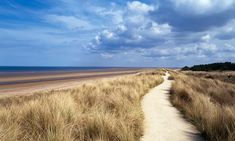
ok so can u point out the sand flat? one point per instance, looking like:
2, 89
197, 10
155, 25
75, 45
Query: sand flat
30, 83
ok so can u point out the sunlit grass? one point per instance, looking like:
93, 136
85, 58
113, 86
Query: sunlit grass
107, 110
208, 104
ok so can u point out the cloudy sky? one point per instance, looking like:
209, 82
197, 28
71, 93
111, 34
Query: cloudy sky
155, 33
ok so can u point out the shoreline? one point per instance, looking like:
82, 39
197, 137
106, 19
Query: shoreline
31, 83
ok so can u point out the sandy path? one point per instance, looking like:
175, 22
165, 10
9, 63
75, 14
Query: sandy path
162, 121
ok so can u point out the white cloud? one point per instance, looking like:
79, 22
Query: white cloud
137, 6
224, 32
229, 27
203, 6
69, 22
136, 19
137, 30
160, 29
116, 15
206, 38
106, 55
140, 34
207, 47
197, 50
229, 47
121, 28
108, 34
104, 36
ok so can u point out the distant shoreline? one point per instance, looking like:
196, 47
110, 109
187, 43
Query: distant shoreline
39, 69
47, 69
27, 82
25, 77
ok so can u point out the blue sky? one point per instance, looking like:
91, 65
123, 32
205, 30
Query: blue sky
156, 33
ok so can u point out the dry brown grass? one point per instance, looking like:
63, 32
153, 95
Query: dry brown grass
107, 110
209, 104
171, 77
225, 76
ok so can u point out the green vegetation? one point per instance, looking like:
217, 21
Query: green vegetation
211, 67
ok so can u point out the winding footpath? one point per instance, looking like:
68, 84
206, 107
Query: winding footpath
162, 121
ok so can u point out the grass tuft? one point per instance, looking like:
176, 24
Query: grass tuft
107, 110
209, 104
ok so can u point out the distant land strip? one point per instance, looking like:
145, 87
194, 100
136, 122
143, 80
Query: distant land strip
82, 76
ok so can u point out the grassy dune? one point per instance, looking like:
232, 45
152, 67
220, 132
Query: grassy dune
106, 110
209, 104
226, 76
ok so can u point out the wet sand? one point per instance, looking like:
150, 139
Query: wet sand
28, 83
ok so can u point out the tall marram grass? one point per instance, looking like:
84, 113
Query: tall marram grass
225, 76
106, 110
208, 104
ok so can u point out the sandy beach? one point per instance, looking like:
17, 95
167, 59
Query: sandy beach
27, 83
